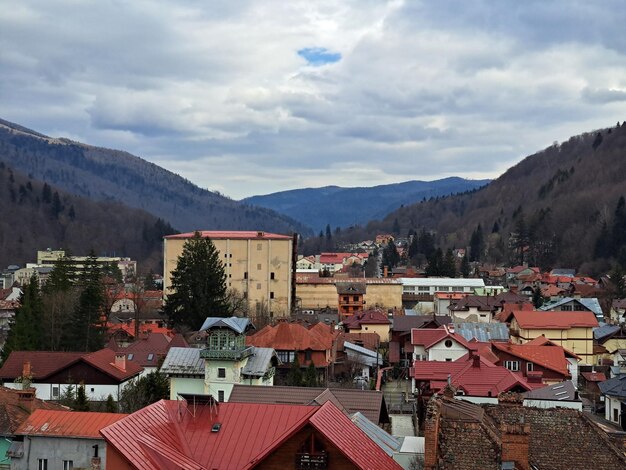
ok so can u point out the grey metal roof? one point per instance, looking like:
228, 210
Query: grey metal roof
604, 331
615, 387
483, 332
183, 361
237, 324
563, 391
384, 440
589, 303
367, 356
259, 362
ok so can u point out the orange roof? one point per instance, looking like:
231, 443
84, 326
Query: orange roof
12, 410
293, 337
241, 235
450, 295
543, 341
67, 423
537, 320
550, 357
129, 328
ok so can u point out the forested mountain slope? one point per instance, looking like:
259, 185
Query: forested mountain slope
103, 175
36, 216
550, 208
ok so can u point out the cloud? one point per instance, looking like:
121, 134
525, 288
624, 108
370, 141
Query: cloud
354, 92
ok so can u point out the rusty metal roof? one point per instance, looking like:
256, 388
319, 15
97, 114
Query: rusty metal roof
78, 424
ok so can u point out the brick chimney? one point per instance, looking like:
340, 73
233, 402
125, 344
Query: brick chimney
431, 434
26, 399
385, 271
120, 361
515, 440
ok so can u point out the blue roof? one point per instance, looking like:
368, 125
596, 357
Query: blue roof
591, 304
237, 324
483, 332
615, 387
259, 362
384, 440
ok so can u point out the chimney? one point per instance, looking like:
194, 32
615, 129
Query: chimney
385, 271
515, 440
260, 234
26, 399
120, 361
26, 372
431, 434
95, 463
475, 357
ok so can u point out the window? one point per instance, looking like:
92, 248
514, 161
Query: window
245, 275
220, 395
616, 415
448, 359
566, 308
512, 365
286, 357
530, 366
457, 289
150, 356
272, 276
355, 298
448, 343
423, 289
42, 464
55, 392
258, 286
92, 390
259, 246
230, 275
307, 355
130, 356
221, 373
68, 464
271, 295
258, 266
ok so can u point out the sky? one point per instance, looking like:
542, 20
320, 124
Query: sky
254, 97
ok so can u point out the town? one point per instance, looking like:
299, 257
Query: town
245, 354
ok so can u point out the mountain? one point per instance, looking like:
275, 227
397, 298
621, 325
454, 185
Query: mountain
36, 216
553, 207
110, 175
342, 207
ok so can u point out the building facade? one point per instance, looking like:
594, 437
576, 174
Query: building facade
259, 265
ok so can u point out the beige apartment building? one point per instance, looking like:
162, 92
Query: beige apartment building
260, 265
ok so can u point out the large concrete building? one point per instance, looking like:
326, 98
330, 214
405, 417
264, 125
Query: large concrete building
260, 265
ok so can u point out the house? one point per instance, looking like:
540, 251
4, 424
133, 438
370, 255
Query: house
569, 304
369, 321
589, 383
441, 344
149, 350
614, 392
571, 358
571, 330
103, 372
258, 264
52, 439
351, 297
610, 338
205, 434
474, 308
225, 360
473, 377
7, 313
356, 354
507, 435
305, 262
400, 347
15, 407
314, 345
549, 363
422, 289
618, 311
370, 403
442, 301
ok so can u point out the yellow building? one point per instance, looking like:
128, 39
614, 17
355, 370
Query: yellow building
571, 330
313, 292
260, 265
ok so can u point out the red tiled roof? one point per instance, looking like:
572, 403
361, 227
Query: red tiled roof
543, 341
367, 317
551, 291
334, 258
550, 357
293, 337
428, 337
159, 436
532, 319
150, 347
232, 235
486, 380
67, 423
45, 363
129, 328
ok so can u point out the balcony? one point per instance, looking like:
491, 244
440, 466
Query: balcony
226, 354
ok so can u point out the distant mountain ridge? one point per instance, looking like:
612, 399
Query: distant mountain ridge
110, 175
342, 207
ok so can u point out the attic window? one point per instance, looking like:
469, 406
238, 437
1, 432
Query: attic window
448, 343
311, 455
150, 356
130, 356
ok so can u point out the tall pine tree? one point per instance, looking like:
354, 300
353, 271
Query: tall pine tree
198, 287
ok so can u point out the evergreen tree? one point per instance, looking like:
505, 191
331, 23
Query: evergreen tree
68, 397
149, 282
449, 264
59, 298
57, 207
391, 257
46, 194
294, 377
619, 225
537, 298
310, 376
329, 238
435, 264
465, 267
603, 244
396, 227
142, 392
198, 285
81, 403
88, 326
25, 333
477, 244
618, 290
111, 406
